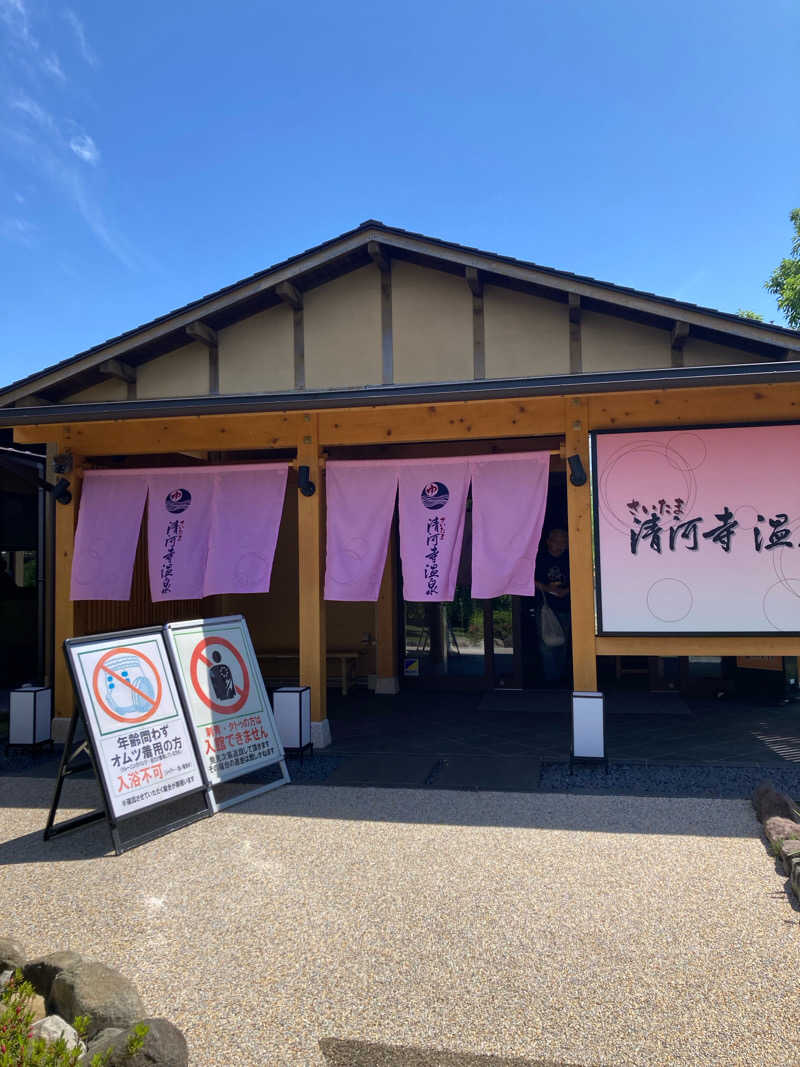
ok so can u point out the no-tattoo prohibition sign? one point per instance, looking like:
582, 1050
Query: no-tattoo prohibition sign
127, 685
223, 684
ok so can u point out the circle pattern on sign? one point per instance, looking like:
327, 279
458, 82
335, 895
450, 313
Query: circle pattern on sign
127, 685
669, 600
626, 455
199, 657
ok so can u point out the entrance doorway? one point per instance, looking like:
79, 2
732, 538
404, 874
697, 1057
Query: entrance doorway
473, 644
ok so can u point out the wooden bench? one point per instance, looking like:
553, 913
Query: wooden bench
347, 659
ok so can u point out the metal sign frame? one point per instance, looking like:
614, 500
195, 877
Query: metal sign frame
256, 681
88, 747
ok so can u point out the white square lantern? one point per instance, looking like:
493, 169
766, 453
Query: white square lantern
29, 715
292, 709
588, 727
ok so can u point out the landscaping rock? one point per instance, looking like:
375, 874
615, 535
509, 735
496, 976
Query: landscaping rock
103, 1041
95, 990
794, 876
12, 954
768, 803
53, 1027
5, 978
42, 971
789, 849
779, 829
164, 1046
38, 1007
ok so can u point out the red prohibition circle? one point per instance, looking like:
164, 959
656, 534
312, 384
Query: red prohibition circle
226, 709
101, 668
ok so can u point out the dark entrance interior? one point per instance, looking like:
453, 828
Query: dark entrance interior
480, 644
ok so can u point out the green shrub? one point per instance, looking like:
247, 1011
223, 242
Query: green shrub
19, 1049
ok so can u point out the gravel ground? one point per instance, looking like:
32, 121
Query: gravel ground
611, 930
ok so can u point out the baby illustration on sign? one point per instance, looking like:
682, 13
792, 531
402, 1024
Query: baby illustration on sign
221, 679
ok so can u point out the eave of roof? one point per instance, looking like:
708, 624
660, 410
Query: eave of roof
408, 242
427, 393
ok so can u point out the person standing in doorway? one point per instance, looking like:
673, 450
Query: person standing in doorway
551, 578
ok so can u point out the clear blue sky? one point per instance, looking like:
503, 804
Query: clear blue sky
153, 152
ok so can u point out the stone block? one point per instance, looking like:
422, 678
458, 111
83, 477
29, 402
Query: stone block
53, 1027
95, 990
12, 954
41, 972
164, 1045
779, 829
789, 849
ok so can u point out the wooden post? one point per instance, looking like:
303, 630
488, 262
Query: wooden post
65, 518
311, 548
579, 512
387, 653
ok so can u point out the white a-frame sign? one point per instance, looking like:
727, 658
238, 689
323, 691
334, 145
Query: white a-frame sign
223, 692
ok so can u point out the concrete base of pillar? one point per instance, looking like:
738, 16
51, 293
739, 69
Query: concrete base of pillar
387, 686
59, 728
321, 734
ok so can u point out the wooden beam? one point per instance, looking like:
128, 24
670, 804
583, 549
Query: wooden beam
189, 433
668, 645
310, 549
377, 253
704, 406
465, 420
198, 331
65, 519
118, 368
404, 423
575, 350
475, 283
581, 568
680, 334
290, 295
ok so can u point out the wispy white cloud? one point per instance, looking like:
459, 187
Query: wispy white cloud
54, 148
15, 16
19, 230
28, 106
84, 148
86, 49
52, 66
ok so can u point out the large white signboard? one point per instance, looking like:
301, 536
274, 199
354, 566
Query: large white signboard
698, 530
132, 711
217, 670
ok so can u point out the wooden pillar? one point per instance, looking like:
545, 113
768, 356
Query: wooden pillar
387, 667
311, 549
579, 513
65, 518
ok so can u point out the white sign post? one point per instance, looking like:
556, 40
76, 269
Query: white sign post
218, 675
138, 739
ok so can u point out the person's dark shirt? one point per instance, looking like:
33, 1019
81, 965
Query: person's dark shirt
554, 569
8, 587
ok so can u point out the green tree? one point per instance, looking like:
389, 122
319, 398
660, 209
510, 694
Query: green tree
784, 282
743, 313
